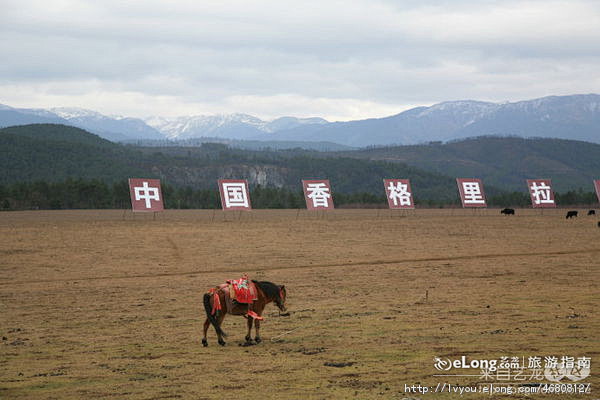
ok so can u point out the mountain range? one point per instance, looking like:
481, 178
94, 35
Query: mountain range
126, 129
231, 126
575, 117
115, 128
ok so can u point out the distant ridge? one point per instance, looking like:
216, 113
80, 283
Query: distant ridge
244, 144
115, 128
575, 117
228, 126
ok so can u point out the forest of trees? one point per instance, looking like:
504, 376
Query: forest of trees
49, 166
96, 194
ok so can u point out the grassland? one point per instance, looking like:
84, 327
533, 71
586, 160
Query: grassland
101, 304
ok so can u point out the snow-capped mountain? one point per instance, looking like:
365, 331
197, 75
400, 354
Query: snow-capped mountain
10, 116
114, 128
231, 126
284, 123
566, 117
234, 126
73, 113
463, 111
574, 117
111, 128
119, 128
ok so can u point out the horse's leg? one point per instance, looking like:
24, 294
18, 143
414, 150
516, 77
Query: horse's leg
257, 338
220, 319
259, 307
208, 304
249, 323
206, 325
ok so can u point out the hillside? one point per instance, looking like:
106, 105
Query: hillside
59, 133
504, 162
55, 152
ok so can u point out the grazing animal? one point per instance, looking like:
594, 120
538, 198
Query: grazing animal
266, 292
598, 224
571, 214
592, 212
508, 211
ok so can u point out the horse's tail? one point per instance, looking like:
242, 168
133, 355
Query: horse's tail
211, 318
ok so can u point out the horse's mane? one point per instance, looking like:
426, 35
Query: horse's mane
270, 289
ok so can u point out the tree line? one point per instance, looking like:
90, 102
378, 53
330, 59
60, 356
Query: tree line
97, 194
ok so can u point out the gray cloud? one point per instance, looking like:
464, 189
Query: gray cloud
341, 60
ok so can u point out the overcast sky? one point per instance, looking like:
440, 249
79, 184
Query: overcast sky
340, 60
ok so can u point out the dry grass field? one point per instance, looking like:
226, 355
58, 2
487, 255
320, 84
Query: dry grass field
95, 306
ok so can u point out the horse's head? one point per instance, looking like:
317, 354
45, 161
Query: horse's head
280, 300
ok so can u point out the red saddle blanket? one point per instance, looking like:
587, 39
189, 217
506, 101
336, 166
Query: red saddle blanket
242, 290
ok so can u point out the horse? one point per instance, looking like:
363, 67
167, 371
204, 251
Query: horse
266, 292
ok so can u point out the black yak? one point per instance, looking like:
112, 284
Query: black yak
571, 214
